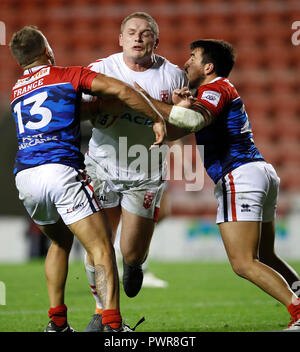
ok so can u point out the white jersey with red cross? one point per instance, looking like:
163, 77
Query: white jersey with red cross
159, 81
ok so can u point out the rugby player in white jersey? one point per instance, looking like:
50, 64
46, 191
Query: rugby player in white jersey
127, 195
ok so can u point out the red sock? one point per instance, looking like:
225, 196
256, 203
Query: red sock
58, 314
112, 317
294, 309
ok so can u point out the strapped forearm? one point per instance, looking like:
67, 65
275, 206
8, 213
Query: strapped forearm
189, 119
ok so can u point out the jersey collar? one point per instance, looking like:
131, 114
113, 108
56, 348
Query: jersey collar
31, 70
216, 79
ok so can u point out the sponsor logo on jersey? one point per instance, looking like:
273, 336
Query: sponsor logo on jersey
102, 198
70, 210
31, 141
148, 198
31, 86
245, 208
211, 96
105, 121
24, 81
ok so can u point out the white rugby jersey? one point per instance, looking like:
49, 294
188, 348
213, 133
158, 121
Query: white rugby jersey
159, 81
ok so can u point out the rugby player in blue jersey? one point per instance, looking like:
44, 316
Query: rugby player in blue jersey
55, 190
246, 186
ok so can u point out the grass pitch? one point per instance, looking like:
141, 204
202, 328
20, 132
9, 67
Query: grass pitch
201, 297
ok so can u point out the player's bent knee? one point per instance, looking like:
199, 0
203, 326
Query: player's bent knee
63, 243
242, 268
267, 257
134, 258
59, 246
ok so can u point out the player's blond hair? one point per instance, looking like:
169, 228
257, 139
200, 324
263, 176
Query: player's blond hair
144, 16
27, 45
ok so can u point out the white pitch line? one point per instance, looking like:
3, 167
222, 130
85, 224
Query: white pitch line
136, 307
29, 312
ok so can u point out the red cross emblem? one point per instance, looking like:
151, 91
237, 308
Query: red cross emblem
148, 199
164, 95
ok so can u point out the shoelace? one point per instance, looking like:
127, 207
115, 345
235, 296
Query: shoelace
127, 328
294, 323
297, 323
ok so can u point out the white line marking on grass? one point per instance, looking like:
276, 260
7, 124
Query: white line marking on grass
136, 307
29, 312
203, 304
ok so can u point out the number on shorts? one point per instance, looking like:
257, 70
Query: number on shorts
36, 109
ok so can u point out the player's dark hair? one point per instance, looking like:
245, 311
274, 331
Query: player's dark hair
218, 52
27, 45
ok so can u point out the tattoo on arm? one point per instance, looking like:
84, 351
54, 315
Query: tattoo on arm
101, 283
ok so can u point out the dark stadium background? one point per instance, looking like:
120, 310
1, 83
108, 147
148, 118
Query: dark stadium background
201, 296
266, 74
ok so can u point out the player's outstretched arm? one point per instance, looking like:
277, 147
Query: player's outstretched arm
186, 114
104, 85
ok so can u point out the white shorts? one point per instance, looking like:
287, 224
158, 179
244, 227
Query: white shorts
248, 193
53, 190
141, 197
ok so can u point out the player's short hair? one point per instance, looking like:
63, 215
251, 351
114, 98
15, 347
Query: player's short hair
218, 52
27, 45
144, 16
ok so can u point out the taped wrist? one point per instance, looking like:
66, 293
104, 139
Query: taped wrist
186, 118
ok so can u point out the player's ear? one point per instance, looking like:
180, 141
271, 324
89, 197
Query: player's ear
209, 68
156, 43
120, 39
49, 54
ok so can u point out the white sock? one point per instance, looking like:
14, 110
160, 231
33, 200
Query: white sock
145, 266
90, 273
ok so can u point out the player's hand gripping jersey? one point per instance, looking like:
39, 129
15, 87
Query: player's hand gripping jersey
159, 81
228, 140
44, 104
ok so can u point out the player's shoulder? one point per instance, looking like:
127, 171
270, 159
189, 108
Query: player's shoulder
218, 90
221, 85
68, 73
163, 61
63, 70
98, 64
165, 64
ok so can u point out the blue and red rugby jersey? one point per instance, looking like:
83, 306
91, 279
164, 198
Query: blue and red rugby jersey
45, 104
228, 141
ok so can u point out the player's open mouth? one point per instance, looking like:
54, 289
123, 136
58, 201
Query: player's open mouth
138, 48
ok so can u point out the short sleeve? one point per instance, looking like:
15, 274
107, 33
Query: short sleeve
87, 77
80, 77
213, 97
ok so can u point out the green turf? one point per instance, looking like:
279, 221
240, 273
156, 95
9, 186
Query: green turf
202, 297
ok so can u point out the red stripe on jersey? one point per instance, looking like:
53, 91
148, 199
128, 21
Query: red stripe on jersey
232, 188
94, 196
